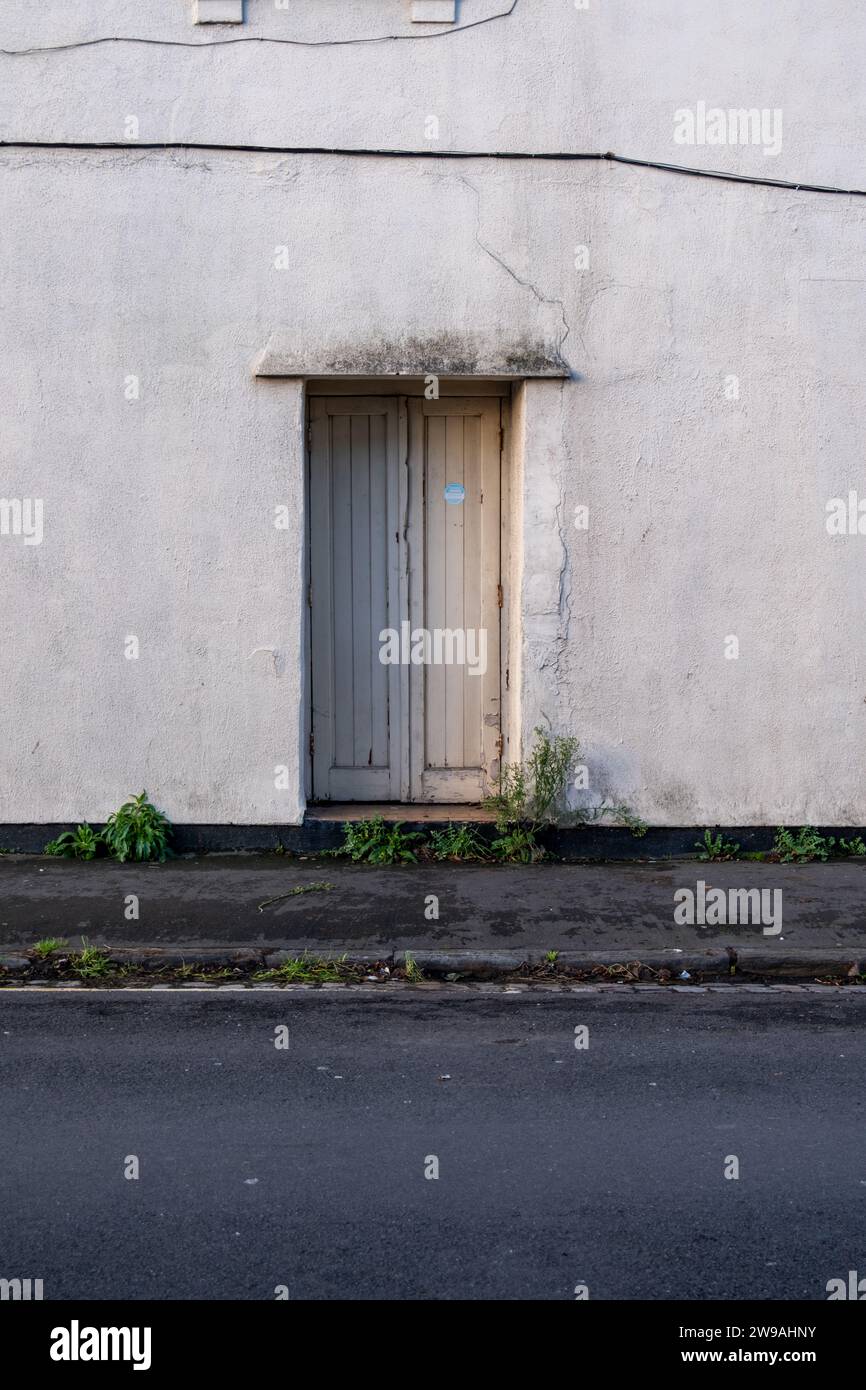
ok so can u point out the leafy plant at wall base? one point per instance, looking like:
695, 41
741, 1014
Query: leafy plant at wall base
518, 845
81, 843
627, 817
550, 766
716, 847
457, 842
533, 792
378, 842
855, 848
137, 831
803, 846
530, 795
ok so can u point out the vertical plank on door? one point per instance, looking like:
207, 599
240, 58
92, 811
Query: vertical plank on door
341, 614
380, 547
361, 637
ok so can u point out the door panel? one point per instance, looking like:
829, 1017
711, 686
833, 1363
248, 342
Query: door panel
454, 558
354, 595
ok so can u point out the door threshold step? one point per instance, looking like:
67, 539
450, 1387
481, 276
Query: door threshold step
415, 812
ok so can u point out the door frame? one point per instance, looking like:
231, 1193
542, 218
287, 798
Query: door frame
412, 387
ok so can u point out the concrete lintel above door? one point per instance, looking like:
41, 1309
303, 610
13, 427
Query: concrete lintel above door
444, 355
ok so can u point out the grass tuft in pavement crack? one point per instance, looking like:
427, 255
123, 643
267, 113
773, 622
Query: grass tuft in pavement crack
48, 945
91, 962
414, 973
304, 970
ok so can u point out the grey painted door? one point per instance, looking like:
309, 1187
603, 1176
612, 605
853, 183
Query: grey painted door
404, 540
354, 594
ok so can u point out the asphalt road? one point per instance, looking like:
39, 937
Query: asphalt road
305, 1167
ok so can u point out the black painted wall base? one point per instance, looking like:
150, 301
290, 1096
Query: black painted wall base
597, 842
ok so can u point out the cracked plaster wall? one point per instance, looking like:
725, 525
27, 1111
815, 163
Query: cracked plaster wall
706, 515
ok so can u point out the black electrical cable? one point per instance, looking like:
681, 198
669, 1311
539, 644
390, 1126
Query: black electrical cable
562, 156
261, 38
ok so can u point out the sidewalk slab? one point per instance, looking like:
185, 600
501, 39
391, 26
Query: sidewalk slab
621, 911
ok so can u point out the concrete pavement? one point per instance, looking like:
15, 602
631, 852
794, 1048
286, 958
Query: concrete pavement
607, 912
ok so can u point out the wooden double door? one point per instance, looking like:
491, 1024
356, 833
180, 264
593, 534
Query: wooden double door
405, 597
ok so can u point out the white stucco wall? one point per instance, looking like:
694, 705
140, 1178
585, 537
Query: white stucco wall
707, 515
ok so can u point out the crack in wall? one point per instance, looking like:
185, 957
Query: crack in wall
525, 284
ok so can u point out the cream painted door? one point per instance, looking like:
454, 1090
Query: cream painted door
404, 597
455, 448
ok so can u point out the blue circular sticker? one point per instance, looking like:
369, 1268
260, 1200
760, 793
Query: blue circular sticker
455, 494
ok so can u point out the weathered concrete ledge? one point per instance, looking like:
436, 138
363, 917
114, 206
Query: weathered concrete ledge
521, 357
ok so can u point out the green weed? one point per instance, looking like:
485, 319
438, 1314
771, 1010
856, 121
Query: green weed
137, 831
378, 841
81, 843
805, 845
715, 848
414, 973
47, 946
307, 970
457, 842
518, 845
91, 962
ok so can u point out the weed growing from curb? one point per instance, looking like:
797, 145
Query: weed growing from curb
414, 973
47, 946
304, 970
91, 962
